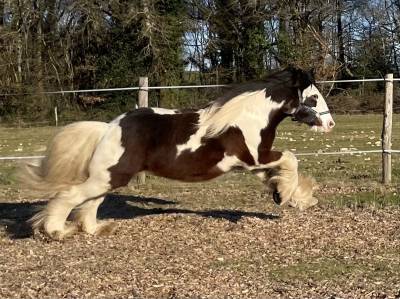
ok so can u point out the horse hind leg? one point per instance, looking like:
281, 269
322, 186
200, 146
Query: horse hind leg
50, 220
53, 218
85, 216
107, 154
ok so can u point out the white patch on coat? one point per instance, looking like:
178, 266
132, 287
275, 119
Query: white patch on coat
107, 154
249, 112
194, 141
254, 118
228, 162
118, 119
163, 110
326, 119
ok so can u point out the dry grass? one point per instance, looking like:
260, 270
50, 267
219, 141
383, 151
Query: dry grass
224, 238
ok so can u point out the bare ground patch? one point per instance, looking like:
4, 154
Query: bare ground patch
165, 248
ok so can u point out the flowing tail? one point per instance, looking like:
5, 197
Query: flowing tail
67, 158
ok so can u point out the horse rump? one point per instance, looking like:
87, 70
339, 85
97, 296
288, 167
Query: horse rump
67, 159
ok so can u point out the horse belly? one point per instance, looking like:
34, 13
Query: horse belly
188, 167
192, 176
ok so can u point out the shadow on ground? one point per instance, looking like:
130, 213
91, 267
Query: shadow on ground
13, 216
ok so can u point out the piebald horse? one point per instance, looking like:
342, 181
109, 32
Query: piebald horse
87, 159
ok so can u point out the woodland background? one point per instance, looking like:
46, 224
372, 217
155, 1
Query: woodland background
48, 45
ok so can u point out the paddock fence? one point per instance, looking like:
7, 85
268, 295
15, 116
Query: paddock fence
143, 95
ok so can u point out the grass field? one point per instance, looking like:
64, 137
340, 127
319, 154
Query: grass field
220, 238
357, 175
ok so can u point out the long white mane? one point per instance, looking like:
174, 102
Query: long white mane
248, 97
218, 118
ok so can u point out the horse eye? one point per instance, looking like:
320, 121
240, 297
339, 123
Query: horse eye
311, 101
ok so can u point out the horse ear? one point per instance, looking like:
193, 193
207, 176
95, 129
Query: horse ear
301, 78
298, 76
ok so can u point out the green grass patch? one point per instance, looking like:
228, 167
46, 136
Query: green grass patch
334, 269
375, 199
358, 175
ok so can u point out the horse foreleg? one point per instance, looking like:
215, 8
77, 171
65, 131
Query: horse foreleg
303, 196
283, 181
279, 173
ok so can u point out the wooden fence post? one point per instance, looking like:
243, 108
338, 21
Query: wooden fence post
56, 115
387, 131
143, 102
143, 92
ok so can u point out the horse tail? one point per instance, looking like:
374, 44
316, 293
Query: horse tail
67, 159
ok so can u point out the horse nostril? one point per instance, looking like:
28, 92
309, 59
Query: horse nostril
331, 124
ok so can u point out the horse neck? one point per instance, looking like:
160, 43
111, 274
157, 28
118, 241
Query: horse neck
268, 133
258, 123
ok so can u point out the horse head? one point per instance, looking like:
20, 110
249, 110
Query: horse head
309, 105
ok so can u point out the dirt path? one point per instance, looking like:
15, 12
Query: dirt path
162, 250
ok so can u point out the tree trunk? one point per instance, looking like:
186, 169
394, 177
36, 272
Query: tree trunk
341, 53
283, 41
2, 15
227, 37
19, 58
19, 45
395, 37
38, 40
253, 40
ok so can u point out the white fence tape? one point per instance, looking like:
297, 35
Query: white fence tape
358, 80
115, 89
21, 158
173, 87
348, 152
297, 154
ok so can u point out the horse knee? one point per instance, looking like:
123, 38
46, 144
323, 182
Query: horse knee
288, 161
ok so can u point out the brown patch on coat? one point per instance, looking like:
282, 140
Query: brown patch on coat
150, 142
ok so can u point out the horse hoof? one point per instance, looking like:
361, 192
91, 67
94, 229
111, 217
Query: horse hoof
277, 197
56, 235
106, 228
59, 235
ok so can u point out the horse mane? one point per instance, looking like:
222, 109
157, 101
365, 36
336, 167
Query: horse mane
217, 118
222, 113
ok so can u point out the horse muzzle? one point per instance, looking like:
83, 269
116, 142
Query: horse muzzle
326, 123
318, 121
